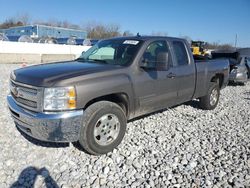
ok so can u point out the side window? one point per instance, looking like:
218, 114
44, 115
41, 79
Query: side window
153, 52
180, 53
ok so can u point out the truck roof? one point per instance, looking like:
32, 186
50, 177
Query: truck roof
145, 38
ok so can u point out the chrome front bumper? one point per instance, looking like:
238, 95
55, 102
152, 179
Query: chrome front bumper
53, 127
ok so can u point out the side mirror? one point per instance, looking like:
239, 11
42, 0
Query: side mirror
82, 53
162, 61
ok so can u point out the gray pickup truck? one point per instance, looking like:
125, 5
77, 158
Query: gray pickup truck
90, 100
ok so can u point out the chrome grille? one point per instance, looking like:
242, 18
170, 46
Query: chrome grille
27, 96
25, 102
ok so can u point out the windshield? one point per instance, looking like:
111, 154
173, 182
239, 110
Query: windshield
113, 51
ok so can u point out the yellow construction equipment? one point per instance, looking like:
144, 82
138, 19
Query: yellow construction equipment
198, 48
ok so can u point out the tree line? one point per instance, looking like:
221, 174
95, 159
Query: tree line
94, 30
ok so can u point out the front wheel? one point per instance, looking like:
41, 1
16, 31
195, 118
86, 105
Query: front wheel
210, 101
103, 128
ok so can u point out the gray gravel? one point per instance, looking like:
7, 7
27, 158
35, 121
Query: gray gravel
180, 147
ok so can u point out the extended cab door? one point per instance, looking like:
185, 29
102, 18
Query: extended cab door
185, 72
156, 89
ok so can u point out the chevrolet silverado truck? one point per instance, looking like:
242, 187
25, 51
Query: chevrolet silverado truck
89, 100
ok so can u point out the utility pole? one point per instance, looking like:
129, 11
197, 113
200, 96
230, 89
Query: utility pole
236, 38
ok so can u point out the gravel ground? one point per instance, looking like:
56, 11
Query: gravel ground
180, 147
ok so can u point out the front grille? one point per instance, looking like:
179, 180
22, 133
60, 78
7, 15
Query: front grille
26, 96
24, 101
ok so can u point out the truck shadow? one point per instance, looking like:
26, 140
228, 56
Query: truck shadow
42, 143
235, 84
79, 147
194, 103
28, 177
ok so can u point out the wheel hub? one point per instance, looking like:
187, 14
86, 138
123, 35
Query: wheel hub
106, 129
214, 97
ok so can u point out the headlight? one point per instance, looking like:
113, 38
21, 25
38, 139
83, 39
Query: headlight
60, 98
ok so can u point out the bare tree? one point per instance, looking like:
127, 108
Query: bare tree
213, 45
100, 31
10, 23
112, 30
24, 18
127, 33
216, 45
18, 20
57, 23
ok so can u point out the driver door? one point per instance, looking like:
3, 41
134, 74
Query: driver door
157, 89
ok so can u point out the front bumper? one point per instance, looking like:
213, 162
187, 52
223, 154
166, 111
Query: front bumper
53, 127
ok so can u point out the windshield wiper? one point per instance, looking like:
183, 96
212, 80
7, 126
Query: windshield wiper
80, 59
99, 60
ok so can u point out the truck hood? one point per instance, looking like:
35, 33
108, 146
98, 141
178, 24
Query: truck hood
47, 74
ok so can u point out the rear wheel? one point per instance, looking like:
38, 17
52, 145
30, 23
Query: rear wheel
210, 101
103, 128
241, 83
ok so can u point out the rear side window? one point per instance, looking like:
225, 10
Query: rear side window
180, 53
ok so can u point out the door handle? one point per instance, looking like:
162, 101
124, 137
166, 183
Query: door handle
171, 75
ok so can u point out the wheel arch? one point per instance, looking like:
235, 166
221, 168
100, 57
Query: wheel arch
218, 78
121, 99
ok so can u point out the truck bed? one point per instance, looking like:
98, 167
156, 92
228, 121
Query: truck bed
205, 69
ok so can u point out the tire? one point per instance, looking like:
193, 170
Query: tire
103, 128
208, 102
241, 83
